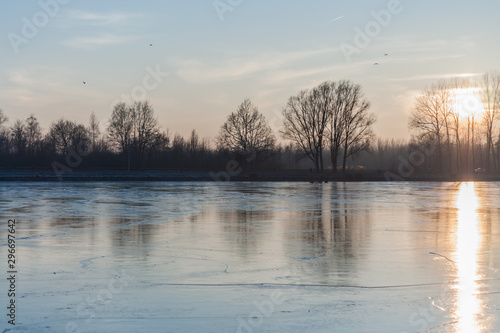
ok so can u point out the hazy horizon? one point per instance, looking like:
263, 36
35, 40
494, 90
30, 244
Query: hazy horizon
218, 53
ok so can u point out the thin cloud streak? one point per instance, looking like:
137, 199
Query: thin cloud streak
99, 19
97, 41
336, 19
195, 71
434, 77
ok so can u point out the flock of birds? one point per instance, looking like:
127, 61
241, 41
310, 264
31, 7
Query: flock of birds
377, 64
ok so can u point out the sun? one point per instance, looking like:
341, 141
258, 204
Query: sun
466, 102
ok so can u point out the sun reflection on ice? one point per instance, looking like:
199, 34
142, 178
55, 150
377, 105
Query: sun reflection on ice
467, 246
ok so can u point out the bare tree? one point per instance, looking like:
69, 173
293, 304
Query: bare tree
4, 133
427, 117
447, 112
33, 134
350, 124
120, 126
459, 93
337, 110
246, 131
490, 97
60, 135
193, 146
178, 150
453, 85
18, 138
178, 143
321, 99
445, 97
160, 142
145, 125
94, 131
357, 122
67, 136
306, 116
134, 125
3, 118
336, 126
80, 139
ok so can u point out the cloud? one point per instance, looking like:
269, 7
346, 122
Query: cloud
39, 77
298, 75
98, 40
115, 25
50, 92
238, 68
434, 76
416, 44
99, 19
336, 19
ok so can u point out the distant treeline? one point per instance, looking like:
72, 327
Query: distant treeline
327, 129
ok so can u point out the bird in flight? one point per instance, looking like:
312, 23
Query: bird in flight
376, 64
386, 54
150, 44
84, 82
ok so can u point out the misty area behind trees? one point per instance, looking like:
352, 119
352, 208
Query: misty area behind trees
326, 129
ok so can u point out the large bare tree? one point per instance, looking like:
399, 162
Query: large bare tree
136, 125
356, 121
26, 136
336, 125
67, 136
321, 99
120, 126
448, 114
333, 111
145, 125
60, 135
246, 132
427, 118
306, 117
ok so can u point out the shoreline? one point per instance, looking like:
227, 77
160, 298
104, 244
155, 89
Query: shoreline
183, 176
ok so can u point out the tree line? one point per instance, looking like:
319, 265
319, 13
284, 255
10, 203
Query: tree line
457, 118
327, 128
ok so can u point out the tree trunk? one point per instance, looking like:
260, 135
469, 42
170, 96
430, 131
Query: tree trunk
344, 159
316, 160
321, 154
488, 150
495, 165
334, 158
440, 153
450, 163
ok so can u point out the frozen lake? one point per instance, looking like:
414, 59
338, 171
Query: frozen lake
253, 257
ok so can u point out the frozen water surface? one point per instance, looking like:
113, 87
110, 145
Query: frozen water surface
254, 257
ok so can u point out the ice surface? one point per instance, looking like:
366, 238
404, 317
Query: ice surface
253, 257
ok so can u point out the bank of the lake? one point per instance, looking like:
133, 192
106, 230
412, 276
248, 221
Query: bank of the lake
265, 176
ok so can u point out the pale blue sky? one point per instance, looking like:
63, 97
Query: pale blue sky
262, 50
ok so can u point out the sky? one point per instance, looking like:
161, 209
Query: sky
196, 61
